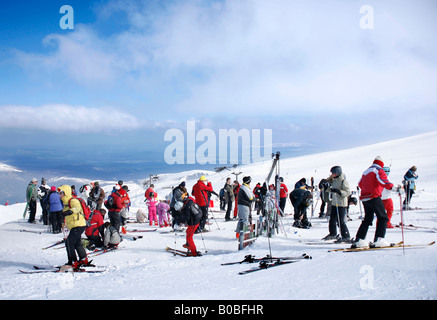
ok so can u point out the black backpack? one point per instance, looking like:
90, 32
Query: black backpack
110, 203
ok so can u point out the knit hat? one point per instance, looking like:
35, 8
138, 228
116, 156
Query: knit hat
247, 180
53, 188
378, 161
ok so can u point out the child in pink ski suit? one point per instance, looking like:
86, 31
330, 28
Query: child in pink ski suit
162, 209
151, 204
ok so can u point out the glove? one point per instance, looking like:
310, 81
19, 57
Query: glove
68, 212
336, 191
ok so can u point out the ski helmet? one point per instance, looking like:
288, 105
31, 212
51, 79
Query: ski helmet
336, 170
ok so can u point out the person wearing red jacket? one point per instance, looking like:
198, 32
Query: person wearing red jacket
372, 182
200, 193
236, 187
283, 193
116, 207
94, 233
149, 190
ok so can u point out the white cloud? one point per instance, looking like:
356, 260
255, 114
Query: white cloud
287, 57
67, 118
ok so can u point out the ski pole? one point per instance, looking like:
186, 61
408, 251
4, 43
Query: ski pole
338, 219
402, 223
359, 201
204, 246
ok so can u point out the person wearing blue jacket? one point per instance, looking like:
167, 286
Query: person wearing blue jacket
56, 207
409, 185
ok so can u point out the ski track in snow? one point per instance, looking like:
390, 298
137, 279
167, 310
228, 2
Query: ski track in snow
142, 269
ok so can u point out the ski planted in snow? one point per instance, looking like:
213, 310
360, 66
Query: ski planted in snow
251, 259
267, 265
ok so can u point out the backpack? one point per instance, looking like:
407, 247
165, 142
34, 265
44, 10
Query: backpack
85, 209
110, 203
222, 192
191, 213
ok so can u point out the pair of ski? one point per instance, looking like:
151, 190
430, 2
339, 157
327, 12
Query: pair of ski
58, 269
413, 227
267, 262
391, 246
55, 244
179, 252
131, 237
99, 252
33, 231
141, 230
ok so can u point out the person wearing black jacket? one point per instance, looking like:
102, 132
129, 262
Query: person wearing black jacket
229, 198
178, 194
192, 214
245, 199
301, 199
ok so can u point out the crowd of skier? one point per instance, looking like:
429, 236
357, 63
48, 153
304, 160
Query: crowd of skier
84, 211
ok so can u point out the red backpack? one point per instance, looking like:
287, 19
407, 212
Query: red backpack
85, 209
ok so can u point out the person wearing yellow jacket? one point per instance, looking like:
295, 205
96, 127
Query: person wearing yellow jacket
76, 223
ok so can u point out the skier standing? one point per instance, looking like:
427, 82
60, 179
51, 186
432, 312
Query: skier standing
283, 193
324, 197
245, 198
236, 188
43, 193
178, 194
229, 198
56, 207
387, 201
114, 206
75, 222
151, 206
200, 193
191, 214
340, 191
372, 182
96, 197
409, 185
31, 196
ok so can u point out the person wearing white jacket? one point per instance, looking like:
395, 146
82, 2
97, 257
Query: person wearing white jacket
387, 201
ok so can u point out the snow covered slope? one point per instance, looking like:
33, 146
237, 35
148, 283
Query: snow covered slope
143, 270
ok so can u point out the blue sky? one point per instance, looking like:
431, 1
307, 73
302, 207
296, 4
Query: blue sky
130, 70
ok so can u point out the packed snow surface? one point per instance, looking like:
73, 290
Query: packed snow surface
142, 269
